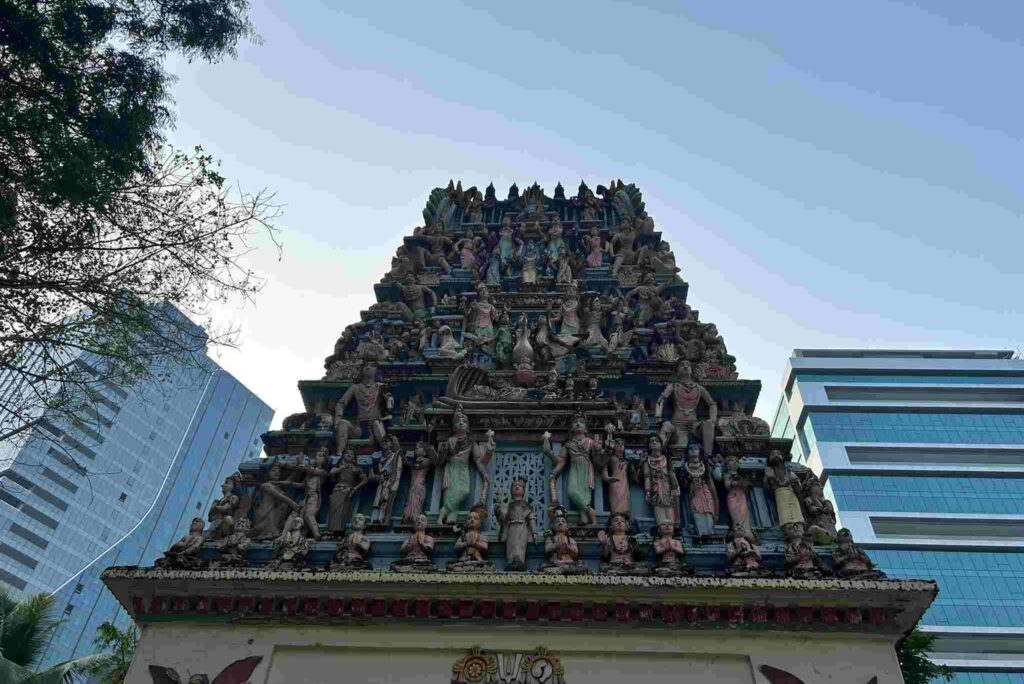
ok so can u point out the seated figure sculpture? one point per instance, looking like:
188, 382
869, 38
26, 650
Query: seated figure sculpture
353, 553
561, 553
417, 550
849, 560
670, 553
620, 552
184, 553
471, 546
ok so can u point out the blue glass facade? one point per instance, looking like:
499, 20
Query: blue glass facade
981, 582
120, 492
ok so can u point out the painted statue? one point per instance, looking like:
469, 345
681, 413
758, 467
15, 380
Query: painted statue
456, 454
798, 556
786, 486
480, 319
348, 478
184, 553
661, 487
354, 552
670, 553
424, 457
703, 497
620, 552
388, 476
617, 477
417, 550
579, 452
369, 397
222, 512
292, 547
744, 557
471, 545
849, 560
737, 486
232, 549
518, 525
687, 396
561, 552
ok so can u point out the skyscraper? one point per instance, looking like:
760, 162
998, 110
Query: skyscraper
118, 488
923, 456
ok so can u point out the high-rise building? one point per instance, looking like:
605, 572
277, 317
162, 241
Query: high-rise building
923, 457
118, 488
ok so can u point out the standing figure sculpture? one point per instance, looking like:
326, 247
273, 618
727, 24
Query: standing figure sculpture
354, 552
389, 476
620, 552
648, 299
471, 546
799, 557
579, 452
417, 550
507, 247
594, 248
670, 553
348, 479
736, 487
703, 495
369, 397
424, 457
617, 477
820, 511
274, 504
687, 396
480, 319
786, 486
518, 525
455, 454
661, 487
561, 552
314, 476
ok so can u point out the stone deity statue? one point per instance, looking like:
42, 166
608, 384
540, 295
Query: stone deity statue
687, 396
849, 560
274, 504
471, 545
820, 511
620, 552
617, 477
232, 549
424, 458
703, 496
579, 451
413, 305
349, 478
799, 557
744, 556
648, 299
315, 474
786, 486
480, 318
184, 553
293, 546
222, 511
456, 454
354, 552
417, 550
369, 397
661, 486
389, 476
561, 553
518, 525
737, 486
670, 554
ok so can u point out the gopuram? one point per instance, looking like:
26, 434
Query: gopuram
529, 461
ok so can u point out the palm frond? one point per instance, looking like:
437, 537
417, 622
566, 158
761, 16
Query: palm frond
66, 672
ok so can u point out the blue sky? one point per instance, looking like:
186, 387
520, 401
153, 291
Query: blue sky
828, 175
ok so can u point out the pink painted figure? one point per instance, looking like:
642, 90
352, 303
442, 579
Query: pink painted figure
737, 487
703, 497
617, 477
595, 251
424, 458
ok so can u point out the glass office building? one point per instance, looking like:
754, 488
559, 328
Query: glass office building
923, 454
118, 489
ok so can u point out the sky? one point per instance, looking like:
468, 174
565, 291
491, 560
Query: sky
828, 175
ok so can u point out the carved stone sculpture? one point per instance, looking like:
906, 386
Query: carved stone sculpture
617, 477
518, 525
849, 560
471, 546
232, 550
687, 396
184, 553
348, 479
274, 505
424, 458
561, 553
744, 556
786, 486
417, 550
293, 546
620, 552
480, 319
648, 304
315, 475
800, 559
456, 454
661, 487
413, 305
670, 554
369, 397
703, 496
579, 451
222, 511
737, 486
447, 347
354, 552
820, 512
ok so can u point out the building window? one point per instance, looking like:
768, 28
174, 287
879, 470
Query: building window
199, 505
68, 608
227, 435
79, 587
123, 497
152, 435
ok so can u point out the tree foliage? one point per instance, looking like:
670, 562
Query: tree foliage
121, 645
25, 628
102, 225
912, 653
